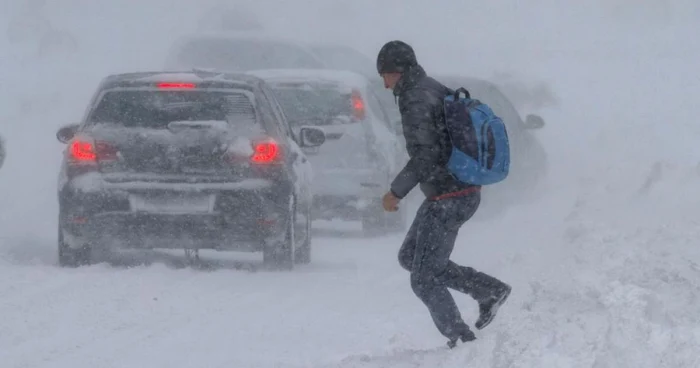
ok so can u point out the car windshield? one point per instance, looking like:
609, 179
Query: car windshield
313, 104
155, 109
234, 54
327, 105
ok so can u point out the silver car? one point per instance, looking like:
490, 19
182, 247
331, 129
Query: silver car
361, 155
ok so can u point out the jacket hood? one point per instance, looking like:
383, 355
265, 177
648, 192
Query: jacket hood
409, 79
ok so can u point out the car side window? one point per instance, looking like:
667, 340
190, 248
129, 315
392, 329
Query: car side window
279, 113
268, 116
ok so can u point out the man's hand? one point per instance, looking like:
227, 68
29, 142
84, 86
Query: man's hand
390, 202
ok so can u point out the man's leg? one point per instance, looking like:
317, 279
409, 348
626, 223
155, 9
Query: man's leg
487, 290
467, 280
436, 226
408, 247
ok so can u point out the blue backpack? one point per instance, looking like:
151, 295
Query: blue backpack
480, 146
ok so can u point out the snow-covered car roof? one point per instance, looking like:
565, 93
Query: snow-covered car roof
193, 76
343, 77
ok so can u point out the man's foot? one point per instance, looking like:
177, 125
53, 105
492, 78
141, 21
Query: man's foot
465, 336
489, 307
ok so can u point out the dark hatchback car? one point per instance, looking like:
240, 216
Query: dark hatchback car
188, 161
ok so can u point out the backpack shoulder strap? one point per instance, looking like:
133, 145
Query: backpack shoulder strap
462, 90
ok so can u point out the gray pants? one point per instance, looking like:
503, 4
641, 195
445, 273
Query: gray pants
426, 254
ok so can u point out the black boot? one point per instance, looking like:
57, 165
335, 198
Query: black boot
466, 336
489, 306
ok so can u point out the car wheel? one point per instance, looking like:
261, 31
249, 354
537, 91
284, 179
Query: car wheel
69, 257
280, 254
303, 252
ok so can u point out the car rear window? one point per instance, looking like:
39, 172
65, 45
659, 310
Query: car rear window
309, 104
155, 109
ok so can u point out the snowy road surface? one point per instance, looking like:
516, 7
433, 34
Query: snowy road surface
586, 293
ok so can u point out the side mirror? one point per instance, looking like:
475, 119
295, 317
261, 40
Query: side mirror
67, 133
311, 137
533, 121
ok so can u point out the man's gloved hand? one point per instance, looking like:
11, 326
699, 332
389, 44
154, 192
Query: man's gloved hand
390, 202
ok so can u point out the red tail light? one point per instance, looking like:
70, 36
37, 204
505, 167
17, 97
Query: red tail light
266, 152
82, 151
166, 85
358, 105
85, 150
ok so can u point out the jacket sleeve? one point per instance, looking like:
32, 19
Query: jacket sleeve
418, 112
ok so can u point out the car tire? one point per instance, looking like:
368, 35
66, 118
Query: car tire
69, 257
280, 254
303, 252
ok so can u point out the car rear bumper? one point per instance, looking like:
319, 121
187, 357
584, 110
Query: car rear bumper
144, 231
165, 215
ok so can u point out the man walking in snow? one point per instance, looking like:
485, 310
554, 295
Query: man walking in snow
448, 205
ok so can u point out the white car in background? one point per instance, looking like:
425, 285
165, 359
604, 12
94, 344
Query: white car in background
361, 155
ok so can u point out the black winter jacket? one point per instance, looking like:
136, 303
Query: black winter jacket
420, 99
